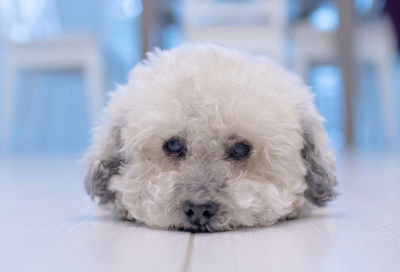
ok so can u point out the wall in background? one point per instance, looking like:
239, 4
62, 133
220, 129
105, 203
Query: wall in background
51, 111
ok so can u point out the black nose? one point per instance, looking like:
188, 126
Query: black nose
199, 214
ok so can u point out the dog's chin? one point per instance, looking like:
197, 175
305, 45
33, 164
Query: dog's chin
187, 227
196, 229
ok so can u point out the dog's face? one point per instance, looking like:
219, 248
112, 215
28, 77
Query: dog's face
204, 138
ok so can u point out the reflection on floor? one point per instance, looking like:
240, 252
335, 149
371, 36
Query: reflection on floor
49, 224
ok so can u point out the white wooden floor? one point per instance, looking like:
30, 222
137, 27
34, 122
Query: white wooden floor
47, 223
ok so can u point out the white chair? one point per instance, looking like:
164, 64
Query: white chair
58, 53
258, 26
374, 43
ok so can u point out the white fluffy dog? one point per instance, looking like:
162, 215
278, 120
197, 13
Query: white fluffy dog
206, 138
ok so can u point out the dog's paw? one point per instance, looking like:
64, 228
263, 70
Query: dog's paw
293, 215
122, 213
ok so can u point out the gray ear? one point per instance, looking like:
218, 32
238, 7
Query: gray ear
319, 161
98, 177
103, 162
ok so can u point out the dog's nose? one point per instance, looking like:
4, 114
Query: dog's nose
199, 214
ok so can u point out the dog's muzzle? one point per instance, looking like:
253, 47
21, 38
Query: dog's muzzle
199, 215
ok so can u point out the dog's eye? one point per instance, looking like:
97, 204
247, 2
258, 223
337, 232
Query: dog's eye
240, 151
175, 147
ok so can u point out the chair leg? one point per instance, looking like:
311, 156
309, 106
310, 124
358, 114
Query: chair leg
8, 104
94, 77
385, 76
301, 66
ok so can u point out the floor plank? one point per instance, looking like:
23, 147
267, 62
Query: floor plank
360, 231
48, 223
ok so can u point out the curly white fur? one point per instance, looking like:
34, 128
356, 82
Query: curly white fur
209, 96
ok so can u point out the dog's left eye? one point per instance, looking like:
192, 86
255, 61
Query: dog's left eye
175, 147
240, 151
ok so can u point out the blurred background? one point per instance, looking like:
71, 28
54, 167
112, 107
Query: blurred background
59, 58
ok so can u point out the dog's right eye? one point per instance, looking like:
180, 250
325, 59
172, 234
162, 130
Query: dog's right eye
175, 147
240, 150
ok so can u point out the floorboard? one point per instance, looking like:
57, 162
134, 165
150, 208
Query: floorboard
48, 223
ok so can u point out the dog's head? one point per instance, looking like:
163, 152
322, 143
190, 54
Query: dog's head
207, 138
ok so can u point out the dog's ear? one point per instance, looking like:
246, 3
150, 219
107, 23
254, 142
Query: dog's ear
320, 164
103, 161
